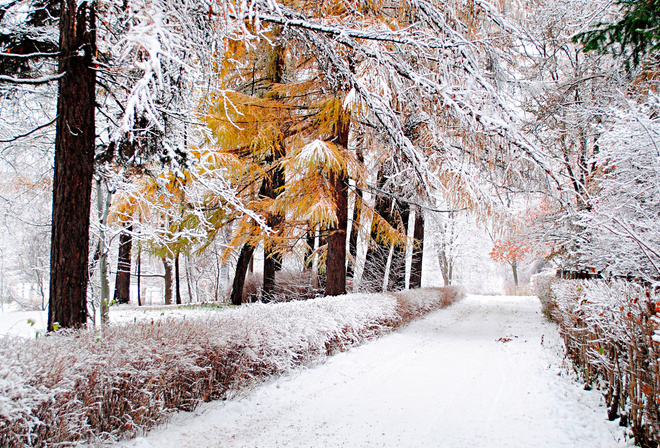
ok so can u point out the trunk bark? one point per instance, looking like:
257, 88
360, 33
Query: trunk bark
363, 232
103, 199
399, 220
353, 229
336, 260
445, 268
189, 281
123, 279
242, 266
418, 251
374, 273
514, 268
74, 167
388, 266
168, 265
274, 181
335, 283
269, 275
177, 280
139, 276
272, 262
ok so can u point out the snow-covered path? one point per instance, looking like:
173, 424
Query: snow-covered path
453, 379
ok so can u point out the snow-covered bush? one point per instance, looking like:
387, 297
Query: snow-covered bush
541, 284
89, 386
611, 334
621, 229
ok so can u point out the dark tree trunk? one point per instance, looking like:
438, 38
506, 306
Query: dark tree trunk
272, 262
123, 280
399, 220
309, 251
336, 260
335, 283
74, 167
139, 276
274, 181
352, 241
418, 251
242, 266
189, 281
269, 277
167, 264
177, 280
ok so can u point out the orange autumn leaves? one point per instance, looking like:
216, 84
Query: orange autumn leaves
510, 250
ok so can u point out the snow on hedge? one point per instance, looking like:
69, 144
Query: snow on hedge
89, 385
611, 334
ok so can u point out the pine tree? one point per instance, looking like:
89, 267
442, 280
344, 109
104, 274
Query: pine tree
74, 166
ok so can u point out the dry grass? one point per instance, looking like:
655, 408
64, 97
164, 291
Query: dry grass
289, 286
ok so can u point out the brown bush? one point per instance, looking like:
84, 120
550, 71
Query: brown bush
289, 286
609, 329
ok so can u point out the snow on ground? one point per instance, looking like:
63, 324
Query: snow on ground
483, 373
29, 324
23, 323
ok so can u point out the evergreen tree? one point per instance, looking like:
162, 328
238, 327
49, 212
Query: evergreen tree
635, 35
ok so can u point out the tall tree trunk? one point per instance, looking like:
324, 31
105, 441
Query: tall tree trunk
219, 266
139, 275
363, 232
336, 259
399, 220
353, 228
177, 280
189, 283
310, 239
274, 181
74, 166
272, 260
123, 279
445, 267
514, 268
377, 253
418, 251
388, 266
245, 259
103, 199
269, 275
242, 266
169, 268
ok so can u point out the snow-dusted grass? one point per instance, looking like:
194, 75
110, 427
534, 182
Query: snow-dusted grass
91, 385
610, 331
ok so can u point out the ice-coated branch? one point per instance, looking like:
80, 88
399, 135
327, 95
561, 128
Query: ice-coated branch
31, 81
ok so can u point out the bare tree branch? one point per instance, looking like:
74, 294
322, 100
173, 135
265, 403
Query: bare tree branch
31, 81
29, 55
29, 132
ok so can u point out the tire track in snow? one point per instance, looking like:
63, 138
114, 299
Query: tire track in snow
447, 380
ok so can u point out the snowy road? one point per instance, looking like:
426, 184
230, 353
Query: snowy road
453, 379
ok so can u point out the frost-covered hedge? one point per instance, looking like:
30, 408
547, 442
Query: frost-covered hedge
610, 331
87, 386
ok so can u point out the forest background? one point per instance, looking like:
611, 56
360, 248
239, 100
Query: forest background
324, 137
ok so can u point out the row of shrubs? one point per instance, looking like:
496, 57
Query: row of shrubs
610, 329
92, 386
